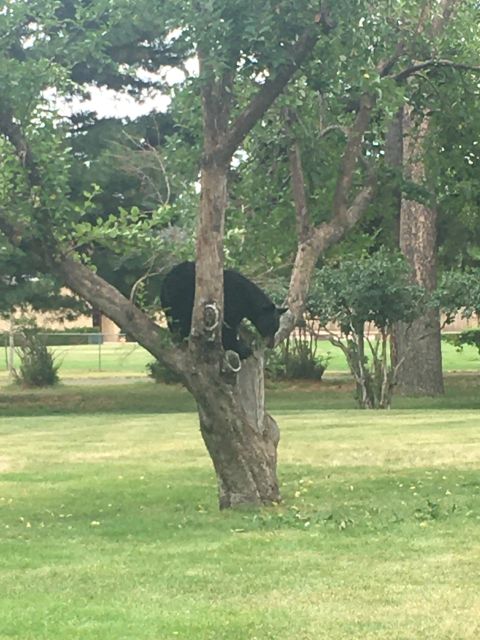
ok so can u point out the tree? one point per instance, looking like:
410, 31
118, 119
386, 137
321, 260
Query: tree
248, 54
239, 436
365, 298
419, 345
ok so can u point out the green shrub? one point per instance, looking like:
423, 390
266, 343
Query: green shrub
469, 337
357, 295
37, 364
160, 373
296, 358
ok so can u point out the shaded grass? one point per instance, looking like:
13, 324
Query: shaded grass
109, 529
335, 392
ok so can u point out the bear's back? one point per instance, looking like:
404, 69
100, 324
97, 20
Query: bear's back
243, 298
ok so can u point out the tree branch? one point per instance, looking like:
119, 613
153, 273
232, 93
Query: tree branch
271, 89
297, 181
14, 134
344, 217
334, 127
351, 155
428, 64
99, 293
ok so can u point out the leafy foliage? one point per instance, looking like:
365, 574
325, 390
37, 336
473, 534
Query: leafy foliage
161, 374
374, 289
297, 357
365, 298
37, 363
459, 292
467, 337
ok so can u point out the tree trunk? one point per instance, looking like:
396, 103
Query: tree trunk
418, 346
240, 436
394, 162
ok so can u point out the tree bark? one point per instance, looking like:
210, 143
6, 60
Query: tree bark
240, 436
418, 345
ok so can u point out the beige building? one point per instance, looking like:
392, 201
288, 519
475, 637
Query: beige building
51, 321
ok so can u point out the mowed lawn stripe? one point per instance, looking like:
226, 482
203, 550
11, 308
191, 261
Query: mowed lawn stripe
109, 528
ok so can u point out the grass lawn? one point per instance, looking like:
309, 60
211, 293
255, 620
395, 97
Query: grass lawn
109, 527
129, 359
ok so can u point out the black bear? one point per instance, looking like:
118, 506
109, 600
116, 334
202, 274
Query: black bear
242, 299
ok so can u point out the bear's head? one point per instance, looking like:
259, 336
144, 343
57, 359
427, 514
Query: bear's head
268, 321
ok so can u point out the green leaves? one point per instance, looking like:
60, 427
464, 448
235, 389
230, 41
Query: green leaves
373, 289
458, 292
365, 297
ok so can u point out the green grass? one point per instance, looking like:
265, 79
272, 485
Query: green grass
143, 396
123, 359
129, 359
109, 526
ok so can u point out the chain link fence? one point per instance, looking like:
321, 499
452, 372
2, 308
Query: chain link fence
82, 352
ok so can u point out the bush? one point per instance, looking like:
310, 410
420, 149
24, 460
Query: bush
374, 291
37, 364
459, 292
160, 373
296, 358
469, 337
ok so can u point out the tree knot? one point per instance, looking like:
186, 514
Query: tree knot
211, 319
231, 362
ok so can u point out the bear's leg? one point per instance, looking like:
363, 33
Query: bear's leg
232, 342
180, 327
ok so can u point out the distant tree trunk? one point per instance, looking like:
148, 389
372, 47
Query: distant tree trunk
394, 162
419, 345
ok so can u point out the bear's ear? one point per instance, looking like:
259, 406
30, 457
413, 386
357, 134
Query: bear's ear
282, 310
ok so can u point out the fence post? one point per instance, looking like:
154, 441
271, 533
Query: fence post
11, 349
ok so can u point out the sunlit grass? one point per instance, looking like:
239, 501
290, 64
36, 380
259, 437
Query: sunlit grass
109, 526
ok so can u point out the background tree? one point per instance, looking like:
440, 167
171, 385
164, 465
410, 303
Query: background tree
419, 345
248, 55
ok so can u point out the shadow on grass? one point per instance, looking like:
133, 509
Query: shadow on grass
462, 392
181, 504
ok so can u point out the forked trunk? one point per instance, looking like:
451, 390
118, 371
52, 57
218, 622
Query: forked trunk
240, 436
